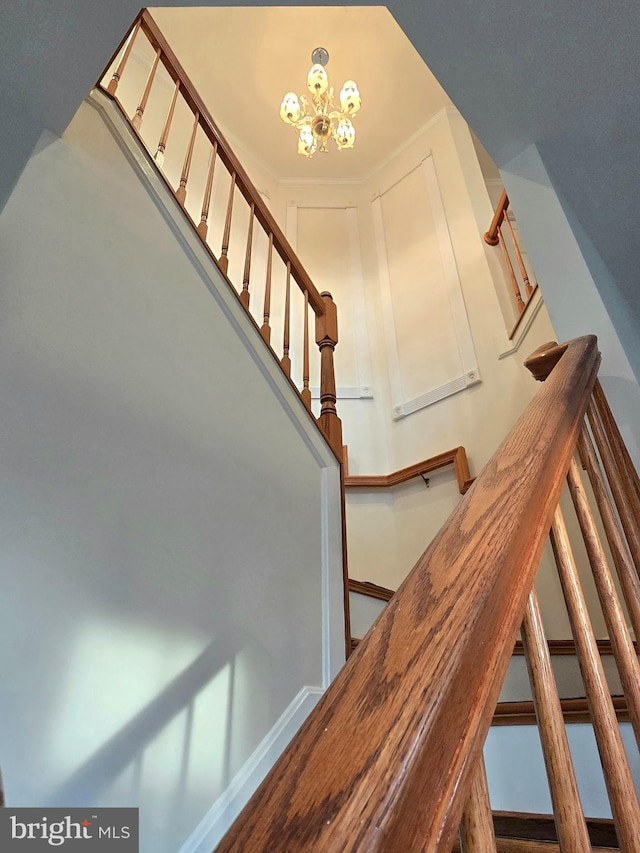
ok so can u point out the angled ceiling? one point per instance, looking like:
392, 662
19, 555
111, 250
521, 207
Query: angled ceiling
243, 60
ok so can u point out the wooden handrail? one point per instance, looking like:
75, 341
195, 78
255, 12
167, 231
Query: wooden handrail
492, 237
371, 589
422, 687
457, 457
225, 153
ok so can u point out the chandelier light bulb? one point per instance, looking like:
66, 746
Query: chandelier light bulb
316, 119
345, 134
317, 80
350, 98
290, 108
307, 144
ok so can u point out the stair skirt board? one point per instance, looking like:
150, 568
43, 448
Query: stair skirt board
208, 834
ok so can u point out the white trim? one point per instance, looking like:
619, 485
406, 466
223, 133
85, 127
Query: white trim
508, 347
386, 298
208, 833
320, 182
329, 205
464, 338
333, 613
354, 392
435, 395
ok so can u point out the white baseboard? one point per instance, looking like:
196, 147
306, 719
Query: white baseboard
228, 806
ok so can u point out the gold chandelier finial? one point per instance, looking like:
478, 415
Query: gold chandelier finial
316, 119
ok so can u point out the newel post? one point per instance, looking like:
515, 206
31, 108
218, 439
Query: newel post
327, 338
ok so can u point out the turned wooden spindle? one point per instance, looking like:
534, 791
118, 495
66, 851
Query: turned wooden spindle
620, 494
306, 391
164, 136
136, 121
627, 574
621, 640
512, 273
621, 455
244, 295
567, 808
203, 227
265, 329
223, 263
476, 829
285, 361
117, 74
327, 338
181, 193
617, 775
528, 289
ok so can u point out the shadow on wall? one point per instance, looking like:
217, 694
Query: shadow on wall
126, 748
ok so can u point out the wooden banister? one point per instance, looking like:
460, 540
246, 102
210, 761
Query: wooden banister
491, 237
240, 189
457, 457
512, 257
227, 156
422, 686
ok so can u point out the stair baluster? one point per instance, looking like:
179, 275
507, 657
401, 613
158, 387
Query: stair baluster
181, 193
164, 136
617, 774
203, 227
476, 828
244, 295
136, 121
265, 329
567, 808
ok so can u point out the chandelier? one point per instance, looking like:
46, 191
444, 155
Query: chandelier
316, 119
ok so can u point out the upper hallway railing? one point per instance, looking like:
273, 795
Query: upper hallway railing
391, 758
209, 182
519, 277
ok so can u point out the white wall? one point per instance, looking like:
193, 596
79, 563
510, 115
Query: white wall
171, 562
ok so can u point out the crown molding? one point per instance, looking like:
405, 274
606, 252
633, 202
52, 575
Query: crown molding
321, 182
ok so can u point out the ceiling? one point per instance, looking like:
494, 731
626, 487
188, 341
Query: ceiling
243, 60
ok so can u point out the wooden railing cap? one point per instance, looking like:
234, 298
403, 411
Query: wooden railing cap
543, 359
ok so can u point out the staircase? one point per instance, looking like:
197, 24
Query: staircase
422, 687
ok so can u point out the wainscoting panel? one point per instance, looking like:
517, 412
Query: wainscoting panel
429, 345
